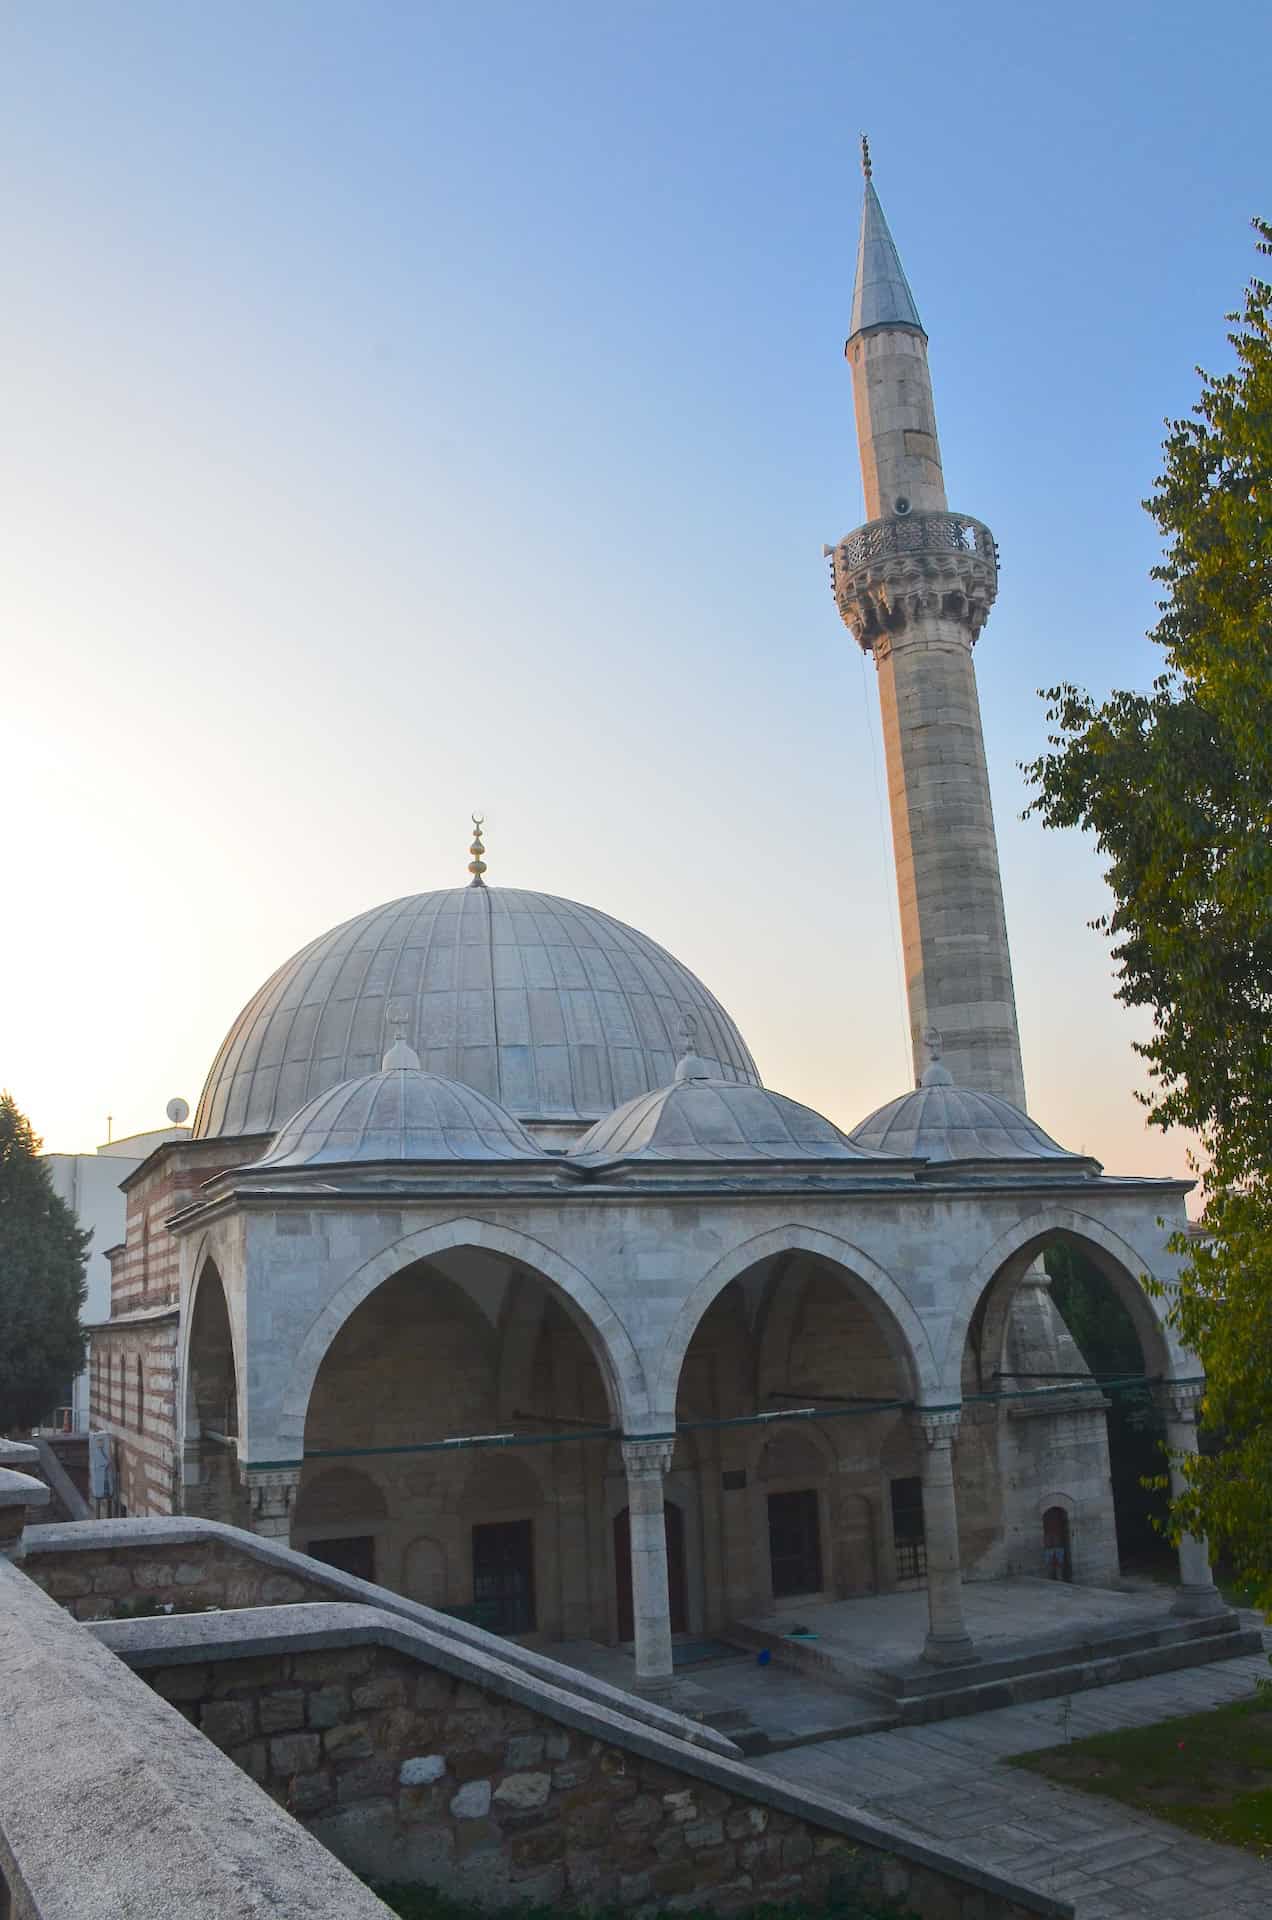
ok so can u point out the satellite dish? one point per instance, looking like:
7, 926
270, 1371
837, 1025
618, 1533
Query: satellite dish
178, 1110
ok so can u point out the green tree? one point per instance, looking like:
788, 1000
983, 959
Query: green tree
42, 1286
1176, 785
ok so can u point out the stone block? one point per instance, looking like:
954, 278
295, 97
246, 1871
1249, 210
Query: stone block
112, 1580
253, 1759
293, 1752
477, 1836
743, 1822
349, 1741
434, 1690
187, 1574
340, 1663
556, 1746
564, 1778
364, 1779
681, 1805
381, 1690
307, 1792
227, 1722
472, 1802
327, 1706
538, 1847
797, 1848
643, 1811
180, 1683
235, 1676
633, 1888
422, 1770
282, 1711
66, 1586
706, 1833
522, 1791
363, 1837
523, 1750
673, 1877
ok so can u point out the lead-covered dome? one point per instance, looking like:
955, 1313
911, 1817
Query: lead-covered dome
555, 1011
395, 1115
698, 1119
942, 1122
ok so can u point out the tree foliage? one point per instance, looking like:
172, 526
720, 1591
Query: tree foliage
42, 1286
1176, 786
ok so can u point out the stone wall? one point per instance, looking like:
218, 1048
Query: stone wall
414, 1766
114, 1581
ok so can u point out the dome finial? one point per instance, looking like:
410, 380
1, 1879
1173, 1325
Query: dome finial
397, 1018
477, 866
691, 1065
865, 155
935, 1073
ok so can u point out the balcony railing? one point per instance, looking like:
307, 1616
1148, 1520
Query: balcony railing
917, 533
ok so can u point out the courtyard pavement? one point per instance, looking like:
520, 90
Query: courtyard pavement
947, 1781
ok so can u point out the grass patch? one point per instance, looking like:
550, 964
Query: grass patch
1208, 1772
428, 1903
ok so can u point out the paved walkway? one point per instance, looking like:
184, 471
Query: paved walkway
945, 1781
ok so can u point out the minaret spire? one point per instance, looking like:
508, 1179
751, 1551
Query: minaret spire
914, 587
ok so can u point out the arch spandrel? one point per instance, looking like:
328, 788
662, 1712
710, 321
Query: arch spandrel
905, 1331
1120, 1262
605, 1335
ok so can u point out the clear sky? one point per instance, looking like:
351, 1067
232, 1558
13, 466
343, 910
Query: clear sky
413, 408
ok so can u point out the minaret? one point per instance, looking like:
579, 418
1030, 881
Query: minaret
915, 585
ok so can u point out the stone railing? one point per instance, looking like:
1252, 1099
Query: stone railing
890, 572
917, 533
414, 1759
21, 1494
111, 1804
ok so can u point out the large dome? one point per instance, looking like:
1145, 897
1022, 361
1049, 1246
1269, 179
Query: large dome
554, 1010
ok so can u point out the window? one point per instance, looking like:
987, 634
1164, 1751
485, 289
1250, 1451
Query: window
503, 1576
354, 1554
907, 1528
141, 1396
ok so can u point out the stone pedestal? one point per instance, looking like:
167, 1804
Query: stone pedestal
948, 1642
272, 1494
1179, 1402
646, 1462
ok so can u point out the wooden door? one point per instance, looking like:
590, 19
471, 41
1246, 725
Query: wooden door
677, 1589
795, 1542
503, 1576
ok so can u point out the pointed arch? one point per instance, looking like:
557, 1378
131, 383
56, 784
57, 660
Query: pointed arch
605, 1335
900, 1323
1122, 1265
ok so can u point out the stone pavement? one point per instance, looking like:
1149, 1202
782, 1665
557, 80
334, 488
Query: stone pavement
945, 1780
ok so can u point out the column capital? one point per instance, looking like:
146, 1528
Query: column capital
272, 1492
938, 1425
648, 1456
1180, 1400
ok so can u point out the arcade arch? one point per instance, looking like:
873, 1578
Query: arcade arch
212, 1484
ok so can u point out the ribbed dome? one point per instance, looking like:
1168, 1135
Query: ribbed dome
399, 1115
942, 1122
715, 1120
554, 1010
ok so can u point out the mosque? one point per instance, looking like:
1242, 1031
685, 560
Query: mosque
492, 1272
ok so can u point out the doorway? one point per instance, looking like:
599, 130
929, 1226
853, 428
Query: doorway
1055, 1544
677, 1591
354, 1554
503, 1576
795, 1542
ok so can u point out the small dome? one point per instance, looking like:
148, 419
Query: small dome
943, 1122
399, 1114
717, 1120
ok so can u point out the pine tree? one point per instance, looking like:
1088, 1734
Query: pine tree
42, 1285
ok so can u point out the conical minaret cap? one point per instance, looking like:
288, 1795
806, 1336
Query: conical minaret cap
881, 296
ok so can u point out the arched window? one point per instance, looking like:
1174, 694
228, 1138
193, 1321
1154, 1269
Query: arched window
141, 1396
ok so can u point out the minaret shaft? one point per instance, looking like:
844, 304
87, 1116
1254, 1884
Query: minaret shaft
914, 586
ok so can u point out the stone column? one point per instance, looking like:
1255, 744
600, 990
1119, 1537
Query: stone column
272, 1494
948, 1642
646, 1461
1179, 1401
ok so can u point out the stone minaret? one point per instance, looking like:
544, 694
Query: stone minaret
915, 585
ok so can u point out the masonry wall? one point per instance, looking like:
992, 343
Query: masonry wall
412, 1774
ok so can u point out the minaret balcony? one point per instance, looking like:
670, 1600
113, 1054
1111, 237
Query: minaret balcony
888, 574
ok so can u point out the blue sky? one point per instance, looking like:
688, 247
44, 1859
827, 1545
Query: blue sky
420, 408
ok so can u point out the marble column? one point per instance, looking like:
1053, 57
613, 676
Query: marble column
1180, 1401
646, 1462
948, 1642
272, 1495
